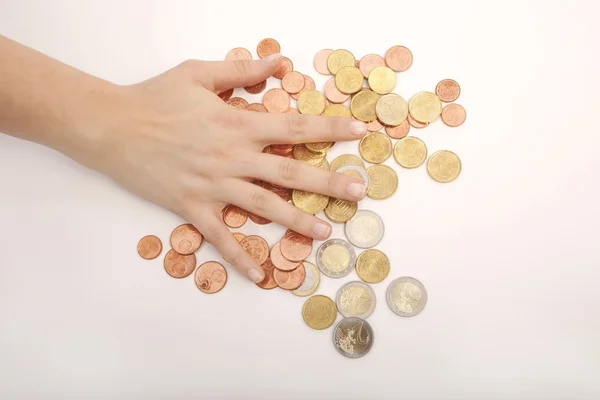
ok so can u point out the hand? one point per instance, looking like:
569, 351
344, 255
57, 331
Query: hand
174, 142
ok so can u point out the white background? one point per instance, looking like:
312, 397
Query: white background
508, 252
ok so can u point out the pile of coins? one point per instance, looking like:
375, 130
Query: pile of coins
389, 118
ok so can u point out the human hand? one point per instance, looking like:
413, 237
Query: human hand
174, 142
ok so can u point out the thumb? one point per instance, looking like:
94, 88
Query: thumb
225, 75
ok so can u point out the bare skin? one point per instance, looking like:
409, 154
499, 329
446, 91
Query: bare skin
171, 140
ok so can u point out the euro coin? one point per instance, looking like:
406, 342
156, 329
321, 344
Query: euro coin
353, 337
346, 159
406, 296
363, 105
383, 182
339, 59
382, 80
311, 281
319, 312
355, 171
444, 166
337, 110
372, 266
303, 153
365, 229
340, 211
376, 147
425, 107
336, 258
356, 299
149, 247
391, 109
311, 102
410, 152
349, 80
312, 203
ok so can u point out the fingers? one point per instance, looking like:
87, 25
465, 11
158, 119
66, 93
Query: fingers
267, 204
224, 75
295, 174
217, 234
297, 128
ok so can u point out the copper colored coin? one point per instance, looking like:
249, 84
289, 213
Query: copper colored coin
295, 246
280, 262
226, 95
333, 94
257, 247
448, 90
267, 46
149, 247
269, 281
368, 62
309, 84
257, 88
414, 123
292, 110
179, 265
374, 126
320, 61
292, 82
286, 66
398, 132
282, 149
234, 217
211, 277
256, 107
399, 58
454, 115
290, 280
276, 100
239, 53
239, 236
237, 102
186, 239
258, 220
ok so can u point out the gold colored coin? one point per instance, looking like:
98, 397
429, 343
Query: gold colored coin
383, 182
346, 159
339, 59
340, 211
303, 153
309, 202
325, 165
319, 312
372, 266
336, 258
349, 80
375, 148
353, 173
363, 105
319, 147
311, 102
425, 107
382, 80
337, 110
391, 109
410, 152
444, 166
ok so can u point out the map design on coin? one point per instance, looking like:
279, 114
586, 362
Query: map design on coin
406, 296
353, 337
356, 299
365, 230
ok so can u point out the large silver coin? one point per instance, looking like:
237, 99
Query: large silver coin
365, 229
311, 281
355, 171
356, 299
406, 296
336, 258
353, 337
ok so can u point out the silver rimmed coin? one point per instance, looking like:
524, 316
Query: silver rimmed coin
336, 258
365, 229
406, 296
311, 281
355, 171
353, 337
356, 299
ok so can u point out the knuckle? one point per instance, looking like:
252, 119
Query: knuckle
213, 234
230, 119
288, 170
233, 257
333, 126
260, 201
295, 124
190, 65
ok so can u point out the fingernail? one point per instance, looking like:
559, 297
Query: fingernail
357, 190
321, 229
358, 128
272, 57
256, 276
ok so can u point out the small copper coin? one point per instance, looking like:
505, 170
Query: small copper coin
448, 90
290, 280
276, 100
309, 84
269, 281
237, 102
149, 247
239, 236
333, 94
414, 123
280, 262
398, 132
257, 88
267, 46
292, 110
234, 217
399, 58
226, 95
368, 62
374, 126
286, 66
295, 246
282, 149
454, 115
292, 82
258, 220
256, 107
239, 53
257, 247
186, 239
320, 61
211, 277
179, 265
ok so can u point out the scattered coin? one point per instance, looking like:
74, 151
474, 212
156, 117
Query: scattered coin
346, 159
337, 110
312, 203
311, 281
257, 107
353, 337
365, 230
257, 247
356, 299
349, 80
286, 66
269, 282
311, 102
309, 84
149, 247
340, 211
454, 115
406, 296
276, 100
320, 61
239, 236
320, 147
372, 266
292, 82
226, 95
290, 280
279, 261
319, 312
383, 182
410, 152
375, 147
355, 171
375, 125
363, 105
399, 58
333, 94
398, 132
295, 246
239, 53
257, 88
425, 107
391, 109
382, 80
416, 124
303, 153
237, 102
267, 47
444, 166
257, 219
211, 277
179, 265
368, 62
336, 258
339, 59
448, 90
234, 217
186, 239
